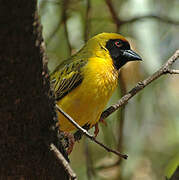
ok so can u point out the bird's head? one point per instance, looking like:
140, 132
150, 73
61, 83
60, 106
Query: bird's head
115, 46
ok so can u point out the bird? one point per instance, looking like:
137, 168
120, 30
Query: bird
84, 83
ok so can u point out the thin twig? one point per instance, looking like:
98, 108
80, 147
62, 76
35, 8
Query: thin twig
57, 26
173, 71
87, 22
165, 69
149, 16
63, 161
88, 134
114, 15
64, 20
120, 22
55, 30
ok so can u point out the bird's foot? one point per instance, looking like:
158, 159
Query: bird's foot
71, 141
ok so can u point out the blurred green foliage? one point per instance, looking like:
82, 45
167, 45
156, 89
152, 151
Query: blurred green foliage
151, 119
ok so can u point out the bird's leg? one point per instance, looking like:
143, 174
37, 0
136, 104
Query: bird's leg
96, 131
103, 121
71, 141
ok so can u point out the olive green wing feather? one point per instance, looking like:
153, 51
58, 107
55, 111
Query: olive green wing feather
66, 77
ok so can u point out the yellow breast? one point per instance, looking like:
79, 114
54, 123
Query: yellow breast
86, 103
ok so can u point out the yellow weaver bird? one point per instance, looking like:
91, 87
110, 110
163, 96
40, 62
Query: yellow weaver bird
84, 83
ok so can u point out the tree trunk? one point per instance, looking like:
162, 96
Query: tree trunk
26, 109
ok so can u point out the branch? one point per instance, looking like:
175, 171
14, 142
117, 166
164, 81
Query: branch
85, 132
87, 22
173, 71
160, 18
165, 69
118, 22
64, 20
63, 161
114, 15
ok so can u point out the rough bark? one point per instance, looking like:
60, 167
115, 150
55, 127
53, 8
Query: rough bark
26, 109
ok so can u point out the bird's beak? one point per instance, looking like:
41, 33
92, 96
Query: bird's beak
130, 55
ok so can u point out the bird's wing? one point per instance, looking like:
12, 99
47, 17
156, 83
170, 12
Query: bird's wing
64, 79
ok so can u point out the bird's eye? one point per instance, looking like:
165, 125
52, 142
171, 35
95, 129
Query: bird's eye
118, 44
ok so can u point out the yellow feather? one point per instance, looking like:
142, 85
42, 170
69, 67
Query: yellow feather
85, 103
